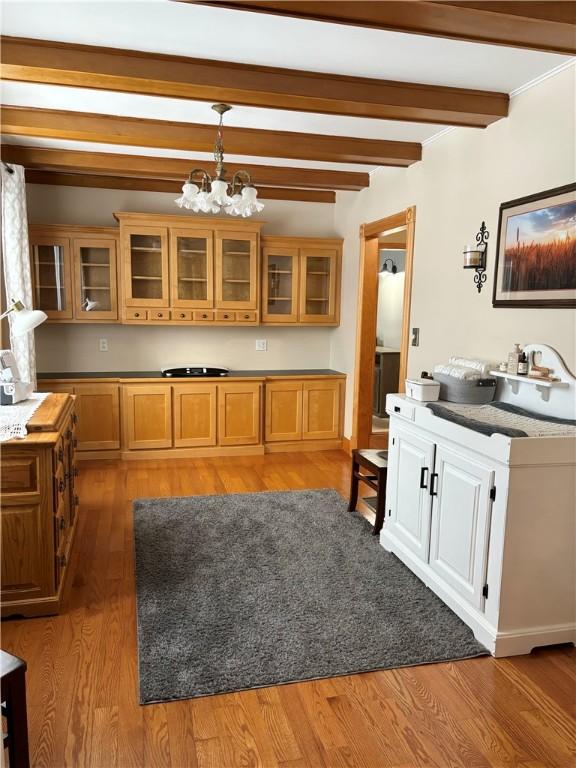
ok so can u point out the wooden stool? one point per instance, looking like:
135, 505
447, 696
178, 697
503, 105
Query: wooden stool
376, 462
13, 671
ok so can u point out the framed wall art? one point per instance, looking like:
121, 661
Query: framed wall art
536, 251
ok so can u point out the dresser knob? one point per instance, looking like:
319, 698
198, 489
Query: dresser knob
204, 316
136, 314
62, 523
182, 315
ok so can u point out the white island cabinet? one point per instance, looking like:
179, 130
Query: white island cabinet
488, 522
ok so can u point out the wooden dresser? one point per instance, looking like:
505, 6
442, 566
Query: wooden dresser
39, 510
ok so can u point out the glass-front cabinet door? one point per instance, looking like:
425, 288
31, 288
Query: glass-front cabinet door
236, 270
146, 281
52, 276
95, 285
318, 271
280, 285
191, 268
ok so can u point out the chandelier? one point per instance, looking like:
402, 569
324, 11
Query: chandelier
202, 193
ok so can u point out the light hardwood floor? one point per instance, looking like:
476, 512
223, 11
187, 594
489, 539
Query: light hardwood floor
82, 666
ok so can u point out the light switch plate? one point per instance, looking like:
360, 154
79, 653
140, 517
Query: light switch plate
261, 345
415, 337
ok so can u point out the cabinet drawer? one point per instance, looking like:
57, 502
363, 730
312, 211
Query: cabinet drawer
136, 314
204, 315
181, 314
158, 314
397, 406
224, 316
248, 316
19, 474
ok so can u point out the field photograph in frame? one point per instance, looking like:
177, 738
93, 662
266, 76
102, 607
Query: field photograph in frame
536, 251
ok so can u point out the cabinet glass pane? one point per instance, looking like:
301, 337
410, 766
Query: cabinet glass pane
280, 285
236, 270
192, 266
318, 285
49, 268
95, 279
146, 264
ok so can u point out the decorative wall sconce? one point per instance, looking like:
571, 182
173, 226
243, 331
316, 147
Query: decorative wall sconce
384, 267
475, 256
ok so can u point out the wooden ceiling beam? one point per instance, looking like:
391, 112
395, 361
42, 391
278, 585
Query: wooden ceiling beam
41, 61
115, 129
541, 26
166, 185
174, 169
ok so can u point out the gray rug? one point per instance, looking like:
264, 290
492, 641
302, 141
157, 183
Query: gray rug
256, 589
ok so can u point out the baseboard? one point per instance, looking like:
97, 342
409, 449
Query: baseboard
523, 641
98, 455
303, 445
347, 445
192, 453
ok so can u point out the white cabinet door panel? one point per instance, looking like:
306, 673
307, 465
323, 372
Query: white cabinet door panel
410, 463
461, 523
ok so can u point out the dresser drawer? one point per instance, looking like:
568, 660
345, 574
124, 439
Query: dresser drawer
248, 316
19, 474
181, 314
158, 314
204, 315
225, 316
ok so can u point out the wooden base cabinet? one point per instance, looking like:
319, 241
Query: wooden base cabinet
39, 510
147, 416
194, 415
239, 413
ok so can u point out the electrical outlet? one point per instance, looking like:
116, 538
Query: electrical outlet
103, 345
261, 345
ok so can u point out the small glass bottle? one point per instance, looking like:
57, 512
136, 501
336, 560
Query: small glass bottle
523, 365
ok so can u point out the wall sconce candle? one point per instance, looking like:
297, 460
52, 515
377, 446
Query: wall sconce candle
475, 256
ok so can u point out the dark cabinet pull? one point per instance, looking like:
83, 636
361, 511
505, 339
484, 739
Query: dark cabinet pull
204, 316
136, 314
423, 477
76, 471
75, 443
74, 419
182, 315
433, 488
62, 485
396, 409
76, 500
68, 433
62, 560
62, 523
60, 454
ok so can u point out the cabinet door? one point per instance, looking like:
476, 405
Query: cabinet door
95, 285
410, 463
52, 277
318, 285
194, 415
280, 285
321, 410
461, 523
145, 257
191, 269
98, 411
283, 411
147, 416
236, 270
239, 413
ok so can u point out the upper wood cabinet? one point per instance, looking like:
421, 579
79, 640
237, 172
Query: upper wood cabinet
145, 258
301, 281
75, 273
193, 271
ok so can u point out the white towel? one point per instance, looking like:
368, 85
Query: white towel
458, 372
483, 367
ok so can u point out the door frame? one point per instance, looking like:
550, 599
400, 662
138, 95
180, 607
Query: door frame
366, 318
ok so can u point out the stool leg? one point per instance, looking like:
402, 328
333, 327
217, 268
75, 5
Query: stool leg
381, 503
354, 487
18, 722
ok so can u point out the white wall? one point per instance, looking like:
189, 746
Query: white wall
463, 178
76, 347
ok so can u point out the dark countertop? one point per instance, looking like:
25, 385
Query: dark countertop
157, 374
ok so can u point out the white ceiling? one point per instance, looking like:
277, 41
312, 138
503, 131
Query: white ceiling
216, 33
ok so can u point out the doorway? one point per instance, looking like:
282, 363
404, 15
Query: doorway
385, 288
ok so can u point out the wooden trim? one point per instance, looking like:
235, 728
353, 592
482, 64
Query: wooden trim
117, 165
195, 137
388, 245
366, 325
542, 26
166, 185
407, 303
42, 61
365, 340
303, 446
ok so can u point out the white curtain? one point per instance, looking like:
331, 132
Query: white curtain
17, 278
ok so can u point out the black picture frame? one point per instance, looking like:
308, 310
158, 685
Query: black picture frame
497, 298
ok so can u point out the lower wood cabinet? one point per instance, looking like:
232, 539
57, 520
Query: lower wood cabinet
194, 415
116, 418
239, 413
39, 510
147, 416
299, 410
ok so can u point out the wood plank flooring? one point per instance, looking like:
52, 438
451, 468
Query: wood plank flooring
82, 667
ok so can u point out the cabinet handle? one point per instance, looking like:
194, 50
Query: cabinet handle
62, 560
433, 488
62, 486
423, 477
76, 500
226, 317
74, 419
75, 442
68, 433
76, 471
182, 315
246, 317
60, 454
397, 409
204, 316
136, 314
62, 523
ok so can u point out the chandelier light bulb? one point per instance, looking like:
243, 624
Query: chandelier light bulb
219, 193
189, 194
250, 203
